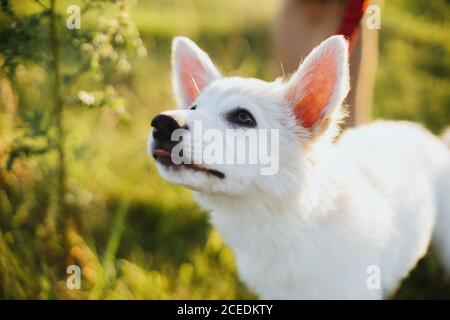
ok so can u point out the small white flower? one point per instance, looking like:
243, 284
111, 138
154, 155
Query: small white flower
124, 65
86, 98
119, 38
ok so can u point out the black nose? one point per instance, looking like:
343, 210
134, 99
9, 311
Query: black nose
163, 126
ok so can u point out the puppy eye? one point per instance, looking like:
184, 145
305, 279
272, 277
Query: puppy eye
242, 117
194, 107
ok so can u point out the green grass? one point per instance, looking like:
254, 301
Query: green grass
138, 237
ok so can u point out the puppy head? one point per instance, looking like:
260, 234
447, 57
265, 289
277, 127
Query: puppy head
239, 136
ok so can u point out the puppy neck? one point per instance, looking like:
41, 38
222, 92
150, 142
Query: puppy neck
264, 213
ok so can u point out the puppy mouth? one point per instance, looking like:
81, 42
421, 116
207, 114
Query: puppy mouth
163, 156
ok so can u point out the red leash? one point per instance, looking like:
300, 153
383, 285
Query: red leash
354, 11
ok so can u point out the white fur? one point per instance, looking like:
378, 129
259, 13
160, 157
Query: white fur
334, 209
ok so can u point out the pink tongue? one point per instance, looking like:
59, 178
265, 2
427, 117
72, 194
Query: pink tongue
161, 153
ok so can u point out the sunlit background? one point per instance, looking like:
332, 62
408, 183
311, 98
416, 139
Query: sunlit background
134, 235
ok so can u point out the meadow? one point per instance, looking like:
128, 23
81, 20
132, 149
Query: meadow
134, 235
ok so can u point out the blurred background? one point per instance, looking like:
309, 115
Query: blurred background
76, 183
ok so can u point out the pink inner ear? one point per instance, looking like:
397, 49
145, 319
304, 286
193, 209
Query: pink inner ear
192, 77
317, 86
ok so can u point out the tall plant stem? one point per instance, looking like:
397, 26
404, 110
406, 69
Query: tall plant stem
58, 110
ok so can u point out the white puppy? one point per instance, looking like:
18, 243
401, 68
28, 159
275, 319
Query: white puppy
345, 219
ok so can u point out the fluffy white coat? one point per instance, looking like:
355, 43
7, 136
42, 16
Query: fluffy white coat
337, 214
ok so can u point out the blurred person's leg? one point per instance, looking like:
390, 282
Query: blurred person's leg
364, 59
303, 24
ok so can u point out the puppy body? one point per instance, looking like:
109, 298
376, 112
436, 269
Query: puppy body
338, 220
366, 208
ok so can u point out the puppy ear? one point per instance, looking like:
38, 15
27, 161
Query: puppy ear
192, 70
320, 84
